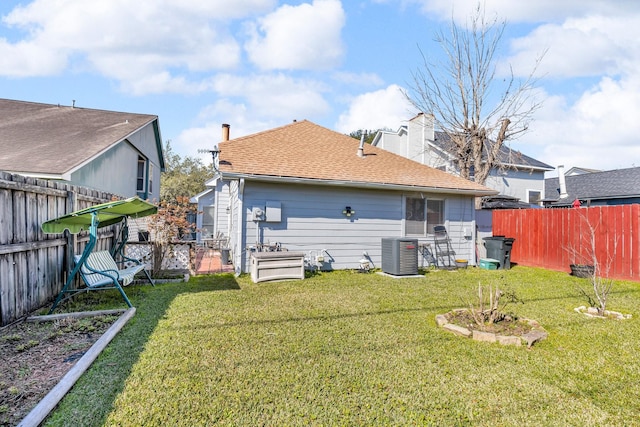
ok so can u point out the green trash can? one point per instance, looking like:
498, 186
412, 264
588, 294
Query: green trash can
499, 247
508, 244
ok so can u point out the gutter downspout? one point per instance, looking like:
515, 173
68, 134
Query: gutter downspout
239, 266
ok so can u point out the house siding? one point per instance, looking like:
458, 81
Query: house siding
222, 223
516, 183
460, 221
121, 161
312, 221
235, 241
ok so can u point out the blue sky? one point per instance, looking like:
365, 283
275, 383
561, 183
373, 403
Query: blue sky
259, 64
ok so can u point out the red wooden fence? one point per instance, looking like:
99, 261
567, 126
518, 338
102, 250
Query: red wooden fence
556, 238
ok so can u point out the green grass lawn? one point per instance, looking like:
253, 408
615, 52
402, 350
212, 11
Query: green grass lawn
344, 348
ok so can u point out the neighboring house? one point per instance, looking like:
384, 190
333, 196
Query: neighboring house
520, 176
614, 187
307, 188
580, 171
120, 153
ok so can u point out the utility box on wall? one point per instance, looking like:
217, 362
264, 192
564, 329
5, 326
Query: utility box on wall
400, 256
273, 211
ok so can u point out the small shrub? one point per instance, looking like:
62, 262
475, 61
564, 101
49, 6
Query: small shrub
492, 310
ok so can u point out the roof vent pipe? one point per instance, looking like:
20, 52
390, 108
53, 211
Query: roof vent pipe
562, 182
361, 147
225, 132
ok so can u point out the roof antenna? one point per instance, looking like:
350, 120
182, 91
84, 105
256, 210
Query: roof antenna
215, 153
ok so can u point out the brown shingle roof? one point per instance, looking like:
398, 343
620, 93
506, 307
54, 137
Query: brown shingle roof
304, 150
53, 139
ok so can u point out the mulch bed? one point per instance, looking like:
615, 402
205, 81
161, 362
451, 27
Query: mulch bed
508, 326
35, 356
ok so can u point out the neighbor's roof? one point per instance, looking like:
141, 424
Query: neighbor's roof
507, 156
309, 153
53, 139
613, 184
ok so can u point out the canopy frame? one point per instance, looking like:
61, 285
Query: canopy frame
112, 213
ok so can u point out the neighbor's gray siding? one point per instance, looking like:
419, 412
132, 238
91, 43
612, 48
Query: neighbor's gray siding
115, 170
312, 221
393, 142
516, 183
204, 200
145, 141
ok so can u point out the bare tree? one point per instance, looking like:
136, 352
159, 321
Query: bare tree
586, 255
477, 111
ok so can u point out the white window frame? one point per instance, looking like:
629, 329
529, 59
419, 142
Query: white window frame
141, 180
529, 196
427, 227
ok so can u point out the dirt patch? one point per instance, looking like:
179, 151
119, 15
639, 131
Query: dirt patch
35, 356
507, 326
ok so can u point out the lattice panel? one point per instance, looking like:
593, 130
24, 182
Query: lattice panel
141, 252
177, 258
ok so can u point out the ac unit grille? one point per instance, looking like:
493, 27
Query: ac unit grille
400, 256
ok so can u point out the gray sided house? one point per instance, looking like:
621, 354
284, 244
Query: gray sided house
120, 153
306, 188
520, 176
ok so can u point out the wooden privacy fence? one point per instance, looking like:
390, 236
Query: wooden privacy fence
556, 238
33, 264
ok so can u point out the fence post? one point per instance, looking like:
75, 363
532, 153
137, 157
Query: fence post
72, 239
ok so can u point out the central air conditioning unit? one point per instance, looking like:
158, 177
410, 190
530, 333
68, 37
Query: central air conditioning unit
400, 256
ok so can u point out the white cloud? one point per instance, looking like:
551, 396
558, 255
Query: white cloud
298, 37
207, 131
276, 96
525, 11
385, 108
588, 46
252, 104
30, 59
600, 130
124, 40
360, 79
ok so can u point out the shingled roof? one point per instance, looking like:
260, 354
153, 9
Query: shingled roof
306, 152
607, 185
52, 140
506, 156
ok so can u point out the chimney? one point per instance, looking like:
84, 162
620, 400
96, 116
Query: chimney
563, 184
225, 132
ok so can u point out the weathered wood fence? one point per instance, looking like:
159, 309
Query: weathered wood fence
556, 238
33, 265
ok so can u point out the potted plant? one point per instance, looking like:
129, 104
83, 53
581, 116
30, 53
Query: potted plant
582, 270
461, 263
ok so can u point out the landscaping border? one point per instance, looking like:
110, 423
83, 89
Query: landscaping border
536, 334
49, 402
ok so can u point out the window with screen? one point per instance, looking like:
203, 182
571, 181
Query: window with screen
141, 174
421, 215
